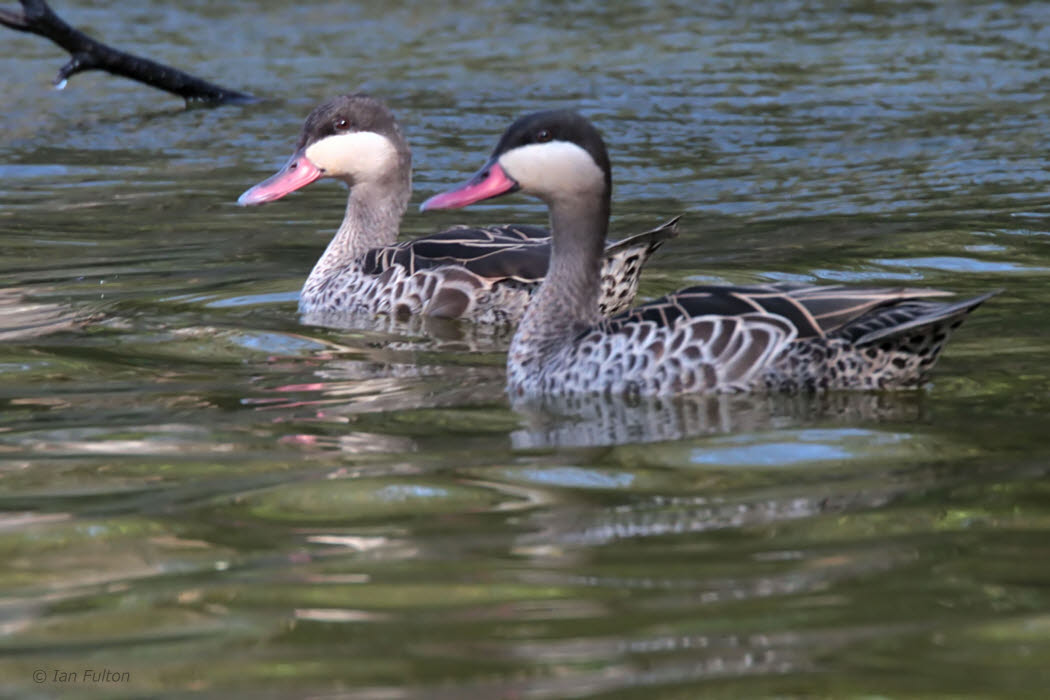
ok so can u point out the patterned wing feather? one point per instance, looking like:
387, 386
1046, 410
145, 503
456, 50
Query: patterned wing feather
905, 318
762, 337
704, 354
497, 252
813, 311
516, 252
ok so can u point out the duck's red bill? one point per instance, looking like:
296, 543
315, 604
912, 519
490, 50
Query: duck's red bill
491, 181
297, 173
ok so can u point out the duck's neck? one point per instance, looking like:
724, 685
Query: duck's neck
567, 300
372, 219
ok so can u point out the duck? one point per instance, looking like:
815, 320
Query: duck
702, 339
485, 274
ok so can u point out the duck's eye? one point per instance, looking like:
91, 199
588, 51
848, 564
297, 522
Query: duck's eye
342, 124
544, 135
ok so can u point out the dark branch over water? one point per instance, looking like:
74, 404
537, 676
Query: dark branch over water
36, 17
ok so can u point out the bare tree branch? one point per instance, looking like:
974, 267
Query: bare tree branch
36, 17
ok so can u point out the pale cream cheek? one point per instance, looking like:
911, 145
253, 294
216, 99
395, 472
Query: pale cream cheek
361, 155
549, 169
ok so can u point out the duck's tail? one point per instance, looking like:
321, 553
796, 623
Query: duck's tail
622, 266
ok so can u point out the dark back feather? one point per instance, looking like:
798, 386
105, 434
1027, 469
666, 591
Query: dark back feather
813, 311
495, 252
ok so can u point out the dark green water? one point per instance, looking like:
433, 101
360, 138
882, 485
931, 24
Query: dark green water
203, 494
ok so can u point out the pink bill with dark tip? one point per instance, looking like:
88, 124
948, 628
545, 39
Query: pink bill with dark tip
491, 181
299, 172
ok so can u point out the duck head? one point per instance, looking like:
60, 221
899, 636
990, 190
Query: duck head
554, 155
353, 138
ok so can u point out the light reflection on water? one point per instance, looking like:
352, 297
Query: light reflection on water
256, 505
